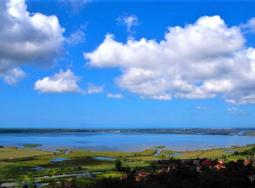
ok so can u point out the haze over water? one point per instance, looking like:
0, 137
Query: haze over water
124, 141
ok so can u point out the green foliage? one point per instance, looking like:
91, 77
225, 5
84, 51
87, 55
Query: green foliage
20, 164
118, 165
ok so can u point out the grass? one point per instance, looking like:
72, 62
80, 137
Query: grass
19, 163
11, 153
211, 153
110, 174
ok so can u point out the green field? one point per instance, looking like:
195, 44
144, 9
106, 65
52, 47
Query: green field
31, 164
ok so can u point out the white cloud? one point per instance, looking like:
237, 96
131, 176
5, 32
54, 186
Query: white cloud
162, 97
27, 37
236, 111
115, 95
75, 5
12, 76
201, 60
129, 21
60, 82
249, 26
93, 89
76, 37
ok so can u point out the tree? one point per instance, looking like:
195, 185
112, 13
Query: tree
118, 165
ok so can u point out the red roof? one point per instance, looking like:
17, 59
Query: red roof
206, 162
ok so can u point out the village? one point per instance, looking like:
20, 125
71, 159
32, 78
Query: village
171, 166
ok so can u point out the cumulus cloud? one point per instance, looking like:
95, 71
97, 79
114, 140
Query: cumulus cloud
115, 95
61, 82
12, 76
27, 37
93, 89
201, 60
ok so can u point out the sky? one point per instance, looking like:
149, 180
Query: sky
127, 64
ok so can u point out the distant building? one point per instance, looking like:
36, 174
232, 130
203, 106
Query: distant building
141, 175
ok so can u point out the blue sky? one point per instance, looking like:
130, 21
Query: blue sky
53, 72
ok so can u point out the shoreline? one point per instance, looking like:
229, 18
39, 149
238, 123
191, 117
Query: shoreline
185, 131
39, 147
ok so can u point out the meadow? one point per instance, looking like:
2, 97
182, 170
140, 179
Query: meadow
30, 164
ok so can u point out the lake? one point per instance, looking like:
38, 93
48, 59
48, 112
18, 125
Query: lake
123, 141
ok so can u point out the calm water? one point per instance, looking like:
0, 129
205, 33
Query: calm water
124, 141
58, 159
105, 158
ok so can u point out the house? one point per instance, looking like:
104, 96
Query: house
246, 162
196, 162
206, 163
221, 162
219, 166
141, 175
198, 169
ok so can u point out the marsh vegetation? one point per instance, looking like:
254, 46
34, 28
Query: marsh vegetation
32, 165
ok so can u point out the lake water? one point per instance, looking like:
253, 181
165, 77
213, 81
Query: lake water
58, 159
105, 158
123, 141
